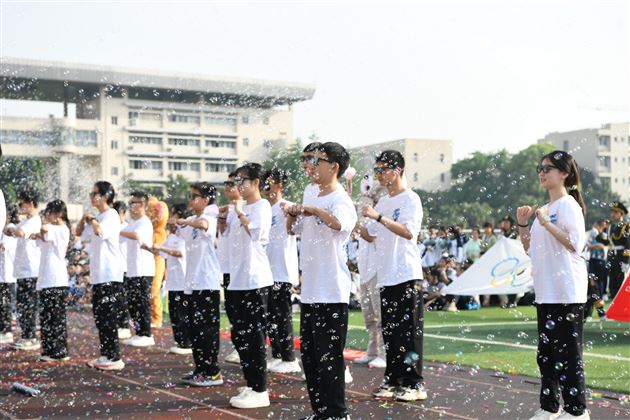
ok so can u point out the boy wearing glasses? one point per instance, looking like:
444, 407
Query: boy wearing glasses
311, 190
140, 270
397, 220
325, 221
26, 268
202, 284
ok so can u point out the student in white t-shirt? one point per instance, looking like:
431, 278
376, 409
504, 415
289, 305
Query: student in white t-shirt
396, 222
554, 244
140, 270
124, 331
226, 218
283, 258
173, 250
250, 283
52, 282
325, 222
8, 245
309, 151
202, 284
26, 268
106, 272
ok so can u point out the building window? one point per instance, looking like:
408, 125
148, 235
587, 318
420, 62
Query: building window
184, 166
114, 120
246, 142
217, 119
415, 157
156, 165
615, 142
442, 178
267, 144
145, 140
616, 180
442, 157
177, 141
245, 119
114, 170
114, 145
86, 138
220, 167
604, 161
132, 115
415, 177
615, 159
221, 143
184, 118
604, 140
565, 145
266, 120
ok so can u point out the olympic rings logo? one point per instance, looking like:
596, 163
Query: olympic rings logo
508, 271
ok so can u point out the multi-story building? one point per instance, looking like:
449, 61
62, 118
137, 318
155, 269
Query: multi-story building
427, 162
604, 151
143, 125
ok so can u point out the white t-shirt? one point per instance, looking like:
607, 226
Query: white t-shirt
367, 260
3, 211
282, 248
53, 271
27, 253
105, 258
202, 265
249, 265
175, 266
223, 243
140, 263
123, 246
399, 258
560, 276
7, 257
310, 191
325, 275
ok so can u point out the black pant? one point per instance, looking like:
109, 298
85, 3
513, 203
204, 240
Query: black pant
202, 307
323, 331
560, 357
226, 294
123, 312
6, 297
402, 315
52, 318
615, 275
597, 268
138, 291
27, 306
177, 313
249, 313
280, 326
105, 304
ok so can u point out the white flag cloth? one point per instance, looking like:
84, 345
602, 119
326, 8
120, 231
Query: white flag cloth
503, 269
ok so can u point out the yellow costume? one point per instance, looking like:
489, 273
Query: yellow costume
158, 213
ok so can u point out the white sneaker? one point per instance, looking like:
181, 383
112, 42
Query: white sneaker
541, 414
142, 341
6, 338
363, 359
384, 391
251, 399
53, 359
286, 367
451, 308
272, 361
411, 394
27, 344
565, 416
242, 390
205, 380
378, 363
110, 365
233, 358
179, 350
94, 362
347, 376
124, 333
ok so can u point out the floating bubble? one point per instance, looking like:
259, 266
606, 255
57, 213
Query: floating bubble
550, 325
559, 366
570, 316
573, 391
546, 391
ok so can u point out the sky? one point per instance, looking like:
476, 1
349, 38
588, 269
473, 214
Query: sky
485, 74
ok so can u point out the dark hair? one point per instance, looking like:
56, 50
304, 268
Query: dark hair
565, 163
488, 225
337, 154
232, 174
206, 190
140, 194
277, 175
252, 170
475, 228
14, 214
312, 147
393, 158
179, 210
105, 189
58, 206
29, 196
120, 206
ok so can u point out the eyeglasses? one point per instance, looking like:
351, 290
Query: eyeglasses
192, 196
229, 184
314, 160
94, 194
132, 202
545, 168
380, 170
241, 180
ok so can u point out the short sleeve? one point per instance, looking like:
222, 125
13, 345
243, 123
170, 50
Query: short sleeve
259, 222
571, 220
346, 214
411, 215
211, 232
110, 225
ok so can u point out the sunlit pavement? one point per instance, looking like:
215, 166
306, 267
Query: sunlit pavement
149, 387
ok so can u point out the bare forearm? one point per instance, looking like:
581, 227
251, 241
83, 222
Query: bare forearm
525, 236
560, 235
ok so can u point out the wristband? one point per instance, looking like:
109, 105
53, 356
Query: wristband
378, 219
523, 226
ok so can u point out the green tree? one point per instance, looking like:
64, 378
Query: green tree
290, 160
20, 174
177, 189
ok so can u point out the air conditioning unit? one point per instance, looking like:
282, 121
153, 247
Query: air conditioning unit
206, 151
129, 147
169, 149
